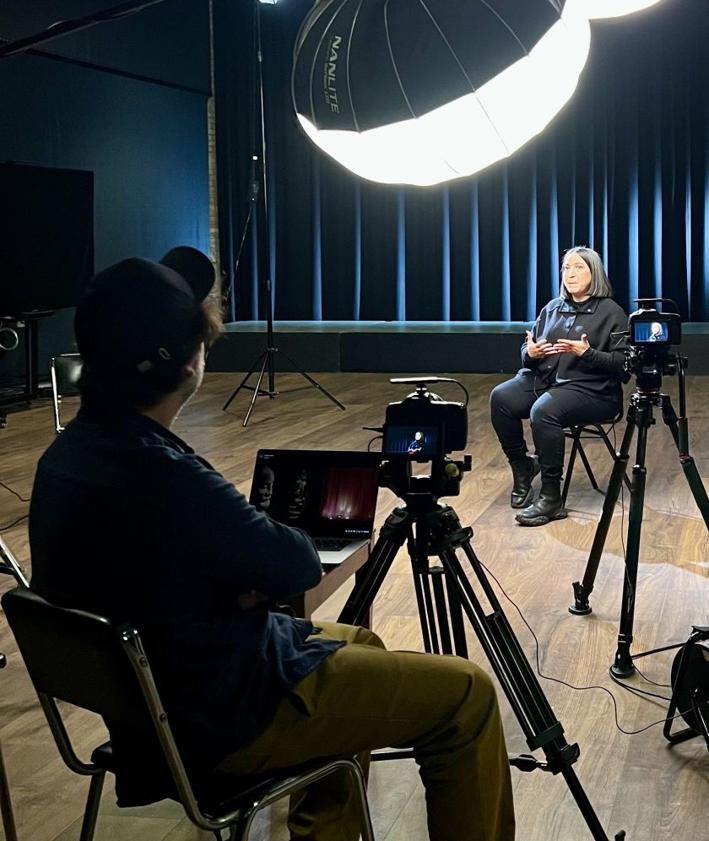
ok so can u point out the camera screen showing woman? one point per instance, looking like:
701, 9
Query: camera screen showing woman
573, 371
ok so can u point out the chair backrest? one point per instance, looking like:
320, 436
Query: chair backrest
65, 371
78, 657
93, 663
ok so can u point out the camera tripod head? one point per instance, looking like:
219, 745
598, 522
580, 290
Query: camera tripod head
422, 491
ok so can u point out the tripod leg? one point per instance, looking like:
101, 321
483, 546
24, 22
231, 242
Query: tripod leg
424, 603
455, 612
448, 614
393, 534
314, 382
244, 381
623, 664
584, 588
680, 434
519, 682
257, 389
428, 587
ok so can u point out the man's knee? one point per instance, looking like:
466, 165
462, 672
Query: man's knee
366, 637
480, 684
473, 695
351, 634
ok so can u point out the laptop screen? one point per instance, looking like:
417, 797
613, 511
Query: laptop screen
326, 493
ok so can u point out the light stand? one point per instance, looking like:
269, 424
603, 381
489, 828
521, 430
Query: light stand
266, 362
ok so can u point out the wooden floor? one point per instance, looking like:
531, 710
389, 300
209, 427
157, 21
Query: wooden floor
635, 782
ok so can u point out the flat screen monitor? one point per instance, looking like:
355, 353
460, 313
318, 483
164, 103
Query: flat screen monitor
46, 238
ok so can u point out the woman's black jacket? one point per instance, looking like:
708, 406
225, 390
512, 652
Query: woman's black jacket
601, 369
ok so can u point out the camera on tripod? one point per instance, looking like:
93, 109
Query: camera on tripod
651, 336
424, 427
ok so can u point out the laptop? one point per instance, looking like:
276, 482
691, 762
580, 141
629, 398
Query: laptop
329, 494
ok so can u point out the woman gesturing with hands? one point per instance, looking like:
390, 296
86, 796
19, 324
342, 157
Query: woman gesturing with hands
573, 369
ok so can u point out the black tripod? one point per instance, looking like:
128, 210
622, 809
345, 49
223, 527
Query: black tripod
444, 594
266, 362
639, 419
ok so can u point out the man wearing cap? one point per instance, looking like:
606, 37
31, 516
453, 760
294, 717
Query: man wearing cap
128, 521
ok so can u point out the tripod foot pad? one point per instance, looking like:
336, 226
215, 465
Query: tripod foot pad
622, 670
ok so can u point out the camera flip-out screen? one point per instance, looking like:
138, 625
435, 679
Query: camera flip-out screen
414, 441
647, 332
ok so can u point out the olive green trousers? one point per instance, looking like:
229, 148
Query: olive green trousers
363, 697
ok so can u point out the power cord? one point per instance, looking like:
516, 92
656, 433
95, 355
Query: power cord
22, 499
571, 685
14, 523
12, 491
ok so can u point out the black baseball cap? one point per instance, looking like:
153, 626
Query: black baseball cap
138, 315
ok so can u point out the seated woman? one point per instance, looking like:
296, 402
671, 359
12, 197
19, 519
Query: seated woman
573, 369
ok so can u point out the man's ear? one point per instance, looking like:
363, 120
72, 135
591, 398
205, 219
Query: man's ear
193, 365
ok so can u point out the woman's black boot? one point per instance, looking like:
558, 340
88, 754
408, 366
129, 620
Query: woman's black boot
546, 508
523, 471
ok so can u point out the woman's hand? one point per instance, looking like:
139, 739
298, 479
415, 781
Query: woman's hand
538, 350
578, 348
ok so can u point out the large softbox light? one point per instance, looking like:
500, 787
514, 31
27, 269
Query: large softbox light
424, 91
613, 8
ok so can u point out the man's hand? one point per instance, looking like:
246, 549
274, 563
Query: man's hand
538, 350
247, 601
568, 346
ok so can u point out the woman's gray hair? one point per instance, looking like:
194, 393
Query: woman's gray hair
600, 285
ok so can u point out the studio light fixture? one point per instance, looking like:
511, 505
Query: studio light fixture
425, 91
613, 8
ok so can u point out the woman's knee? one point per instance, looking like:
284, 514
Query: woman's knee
543, 415
502, 399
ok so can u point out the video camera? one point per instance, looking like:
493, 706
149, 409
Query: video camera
421, 428
651, 335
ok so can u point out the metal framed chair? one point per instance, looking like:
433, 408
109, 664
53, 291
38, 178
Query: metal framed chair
65, 371
9, 564
92, 663
578, 434
8, 817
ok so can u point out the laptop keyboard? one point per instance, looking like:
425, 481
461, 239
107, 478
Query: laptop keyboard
330, 544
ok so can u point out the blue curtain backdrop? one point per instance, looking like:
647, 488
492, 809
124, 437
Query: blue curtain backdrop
624, 168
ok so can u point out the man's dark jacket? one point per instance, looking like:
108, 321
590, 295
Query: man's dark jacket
127, 521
